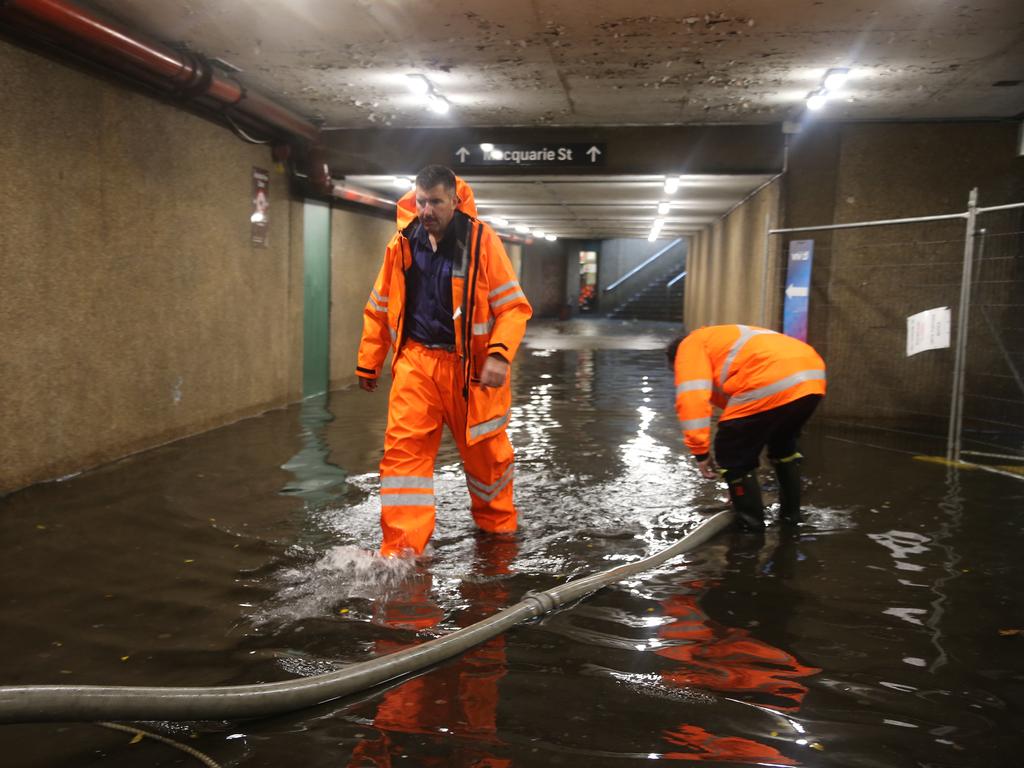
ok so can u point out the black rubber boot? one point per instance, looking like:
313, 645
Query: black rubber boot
745, 494
788, 472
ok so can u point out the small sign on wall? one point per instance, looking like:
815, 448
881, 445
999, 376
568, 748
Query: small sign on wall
260, 217
928, 330
798, 289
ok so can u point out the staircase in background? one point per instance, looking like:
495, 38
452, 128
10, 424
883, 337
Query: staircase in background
655, 301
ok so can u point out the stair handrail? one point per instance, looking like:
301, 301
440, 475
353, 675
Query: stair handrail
642, 265
675, 279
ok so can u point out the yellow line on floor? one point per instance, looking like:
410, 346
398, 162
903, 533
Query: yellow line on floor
1008, 470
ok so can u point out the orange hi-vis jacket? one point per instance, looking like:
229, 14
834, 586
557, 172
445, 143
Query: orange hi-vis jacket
743, 370
490, 315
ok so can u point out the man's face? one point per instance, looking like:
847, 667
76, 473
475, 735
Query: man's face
435, 208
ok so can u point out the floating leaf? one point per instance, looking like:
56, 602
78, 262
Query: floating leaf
189, 561
1010, 632
136, 738
817, 745
125, 658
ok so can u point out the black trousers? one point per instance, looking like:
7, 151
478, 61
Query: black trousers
738, 442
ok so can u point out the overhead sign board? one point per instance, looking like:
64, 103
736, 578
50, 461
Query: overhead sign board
555, 154
798, 284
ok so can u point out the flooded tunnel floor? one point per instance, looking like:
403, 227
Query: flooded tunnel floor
888, 633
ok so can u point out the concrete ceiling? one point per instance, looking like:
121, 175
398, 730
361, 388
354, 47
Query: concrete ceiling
607, 62
567, 63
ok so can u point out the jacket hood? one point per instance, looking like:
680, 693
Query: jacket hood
405, 211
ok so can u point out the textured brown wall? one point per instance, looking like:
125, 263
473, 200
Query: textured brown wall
357, 251
543, 276
135, 310
726, 265
867, 281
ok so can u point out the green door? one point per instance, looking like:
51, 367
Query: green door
316, 241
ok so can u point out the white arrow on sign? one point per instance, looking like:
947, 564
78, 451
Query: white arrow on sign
593, 152
463, 153
792, 290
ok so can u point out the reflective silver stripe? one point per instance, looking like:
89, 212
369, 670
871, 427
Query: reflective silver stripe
482, 329
746, 334
407, 500
394, 334
813, 374
378, 307
487, 427
507, 299
693, 384
407, 481
488, 488
695, 423
380, 299
489, 493
501, 288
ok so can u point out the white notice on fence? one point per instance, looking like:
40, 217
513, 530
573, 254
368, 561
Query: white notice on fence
928, 330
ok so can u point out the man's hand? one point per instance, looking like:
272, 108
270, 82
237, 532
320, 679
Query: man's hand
494, 371
367, 385
707, 468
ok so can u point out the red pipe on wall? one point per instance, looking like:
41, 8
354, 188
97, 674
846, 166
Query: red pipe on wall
160, 64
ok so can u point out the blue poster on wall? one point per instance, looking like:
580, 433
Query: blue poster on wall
798, 288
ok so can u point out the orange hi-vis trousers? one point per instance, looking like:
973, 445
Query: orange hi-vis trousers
426, 393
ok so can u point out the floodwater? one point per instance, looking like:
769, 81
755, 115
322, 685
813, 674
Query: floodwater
889, 633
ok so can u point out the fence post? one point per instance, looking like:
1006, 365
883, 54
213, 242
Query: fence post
956, 406
764, 270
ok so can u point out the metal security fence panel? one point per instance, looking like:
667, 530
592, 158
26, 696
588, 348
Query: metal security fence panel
948, 382
866, 282
993, 389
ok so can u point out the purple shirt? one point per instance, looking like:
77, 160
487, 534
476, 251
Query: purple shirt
428, 289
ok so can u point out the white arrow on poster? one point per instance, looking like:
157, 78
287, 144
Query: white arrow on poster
462, 152
928, 330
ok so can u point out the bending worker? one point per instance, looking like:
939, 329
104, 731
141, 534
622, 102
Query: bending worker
448, 301
767, 386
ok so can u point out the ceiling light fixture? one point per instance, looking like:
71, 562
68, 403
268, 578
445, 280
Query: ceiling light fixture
522, 229
671, 185
835, 78
418, 84
550, 238
662, 208
499, 221
438, 104
539, 233
816, 99
421, 86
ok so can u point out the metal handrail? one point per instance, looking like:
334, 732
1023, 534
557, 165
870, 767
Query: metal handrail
676, 279
639, 267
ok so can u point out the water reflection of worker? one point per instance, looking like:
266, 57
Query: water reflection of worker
726, 659
768, 385
712, 656
448, 302
460, 696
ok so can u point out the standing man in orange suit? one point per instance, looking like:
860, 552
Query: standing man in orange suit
767, 385
448, 302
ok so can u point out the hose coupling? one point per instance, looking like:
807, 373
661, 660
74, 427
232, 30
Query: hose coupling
542, 602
